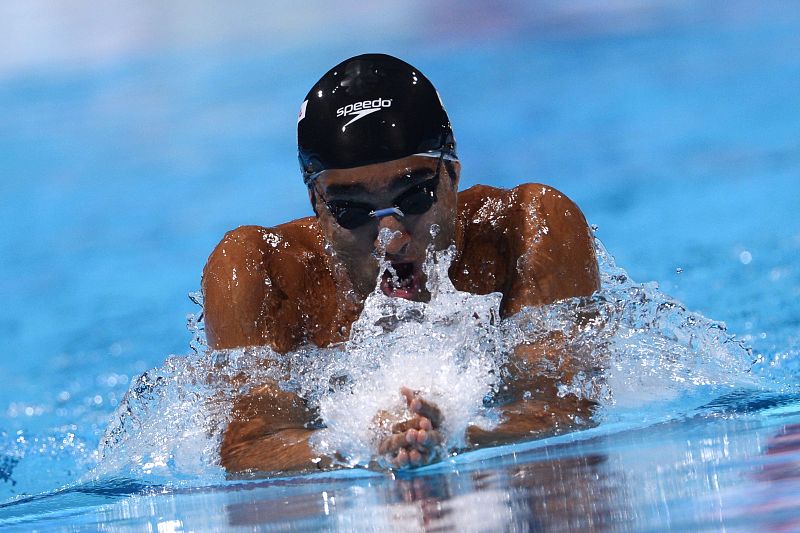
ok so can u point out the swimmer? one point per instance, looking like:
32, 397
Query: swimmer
377, 151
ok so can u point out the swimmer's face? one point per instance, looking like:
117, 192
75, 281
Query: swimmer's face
402, 183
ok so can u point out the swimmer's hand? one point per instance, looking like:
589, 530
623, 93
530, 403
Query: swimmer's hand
414, 442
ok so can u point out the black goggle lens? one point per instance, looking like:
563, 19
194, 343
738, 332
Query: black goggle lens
415, 201
420, 198
350, 216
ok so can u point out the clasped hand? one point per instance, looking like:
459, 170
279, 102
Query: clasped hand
414, 441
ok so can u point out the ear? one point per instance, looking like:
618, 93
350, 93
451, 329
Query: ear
313, 198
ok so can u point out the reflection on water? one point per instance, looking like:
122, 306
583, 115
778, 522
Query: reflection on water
711, 471
784, 447
689, 480
714, 470
775, 494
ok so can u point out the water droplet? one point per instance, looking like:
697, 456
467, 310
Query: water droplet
745, 257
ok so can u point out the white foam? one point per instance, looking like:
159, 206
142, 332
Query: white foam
450, 350
640, 350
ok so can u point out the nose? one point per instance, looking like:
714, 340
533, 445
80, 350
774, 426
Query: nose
399, 239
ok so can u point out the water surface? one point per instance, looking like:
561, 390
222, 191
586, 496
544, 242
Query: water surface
673, 126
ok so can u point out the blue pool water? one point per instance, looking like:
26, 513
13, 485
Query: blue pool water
131, 140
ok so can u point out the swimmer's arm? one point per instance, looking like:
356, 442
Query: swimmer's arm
252, 284
535, 409
269, 432
534, 418
269, 428
556, 260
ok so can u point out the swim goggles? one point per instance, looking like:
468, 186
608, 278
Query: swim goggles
414, 201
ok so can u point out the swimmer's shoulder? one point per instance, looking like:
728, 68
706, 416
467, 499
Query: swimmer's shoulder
301, 234
254, 279
248, 254
539, 232
492, 202
515, 215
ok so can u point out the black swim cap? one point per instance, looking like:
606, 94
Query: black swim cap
370, 109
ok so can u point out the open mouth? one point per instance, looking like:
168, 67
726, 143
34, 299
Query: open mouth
406, 283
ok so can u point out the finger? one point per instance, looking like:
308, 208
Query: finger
402, 459
418, 422
428, 440
426, 409
422, 437
392, 443
421, 406
415, 458
409, 394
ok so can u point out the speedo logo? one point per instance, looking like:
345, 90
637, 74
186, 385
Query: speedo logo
360, 110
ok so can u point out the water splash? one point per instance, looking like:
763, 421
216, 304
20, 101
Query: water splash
639, 346
635, 345
451, 350
169, 425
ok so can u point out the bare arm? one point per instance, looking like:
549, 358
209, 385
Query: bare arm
251, 291
534, 407
549, 256
269, 432
530, 243
533, 244
253, 286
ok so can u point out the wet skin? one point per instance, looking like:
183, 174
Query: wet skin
306, 280
379, 186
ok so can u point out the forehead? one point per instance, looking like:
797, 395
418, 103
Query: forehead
390, 175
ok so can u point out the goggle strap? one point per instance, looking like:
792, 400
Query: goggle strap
309, 177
